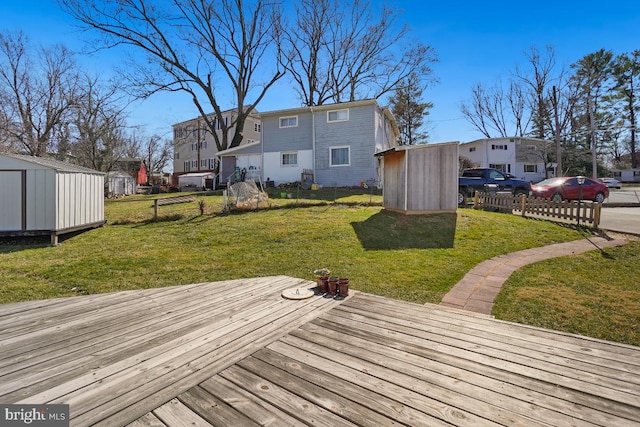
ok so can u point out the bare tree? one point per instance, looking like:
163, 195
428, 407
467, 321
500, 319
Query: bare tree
96, 134
196, 46
158, 154
538, 81
343, 51
495, 113
37, 93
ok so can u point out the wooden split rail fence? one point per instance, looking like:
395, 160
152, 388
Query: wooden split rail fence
170, 201
583, 212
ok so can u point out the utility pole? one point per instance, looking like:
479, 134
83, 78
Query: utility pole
198, 142
594, 158
632, 120
557, 134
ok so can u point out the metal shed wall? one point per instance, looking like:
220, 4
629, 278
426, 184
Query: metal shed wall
80, 200
51, 196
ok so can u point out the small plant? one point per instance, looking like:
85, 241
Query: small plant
201, 206
322, 272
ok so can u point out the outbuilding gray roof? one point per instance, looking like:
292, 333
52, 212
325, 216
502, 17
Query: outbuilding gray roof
53, 164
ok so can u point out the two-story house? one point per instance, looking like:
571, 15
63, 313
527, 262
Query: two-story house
194, 148
524, 158
331, 145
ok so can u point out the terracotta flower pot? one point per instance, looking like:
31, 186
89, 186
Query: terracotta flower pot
323, 285
332, 287
343, 288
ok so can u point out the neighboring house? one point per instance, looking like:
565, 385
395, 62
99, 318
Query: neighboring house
626, 175
331, 145
195, 150
524, 158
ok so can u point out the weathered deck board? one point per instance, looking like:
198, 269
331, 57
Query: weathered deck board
430, 365
108, 355
236, 353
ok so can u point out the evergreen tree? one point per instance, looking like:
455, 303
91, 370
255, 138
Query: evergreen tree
410, 110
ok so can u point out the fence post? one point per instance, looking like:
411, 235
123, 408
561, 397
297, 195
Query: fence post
596, 215
523, 204
155, 209
476, 200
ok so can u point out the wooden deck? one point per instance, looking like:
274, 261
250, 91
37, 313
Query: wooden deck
235, 353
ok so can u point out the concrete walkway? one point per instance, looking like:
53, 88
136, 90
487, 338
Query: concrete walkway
479, 287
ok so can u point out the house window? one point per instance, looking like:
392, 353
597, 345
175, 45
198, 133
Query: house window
617, 174
472, 149
290, 159
176, 155
501, 167
194, 164
187, 166
339, 156
338, 115
288, 122
531, 148
531, 168
203, 163
498, 146
257, 127
636, 173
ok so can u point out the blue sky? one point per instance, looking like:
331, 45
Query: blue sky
476, 41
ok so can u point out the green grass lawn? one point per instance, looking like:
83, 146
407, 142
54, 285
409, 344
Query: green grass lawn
415, 258
595, 294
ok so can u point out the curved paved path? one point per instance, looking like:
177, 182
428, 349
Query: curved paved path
479, 287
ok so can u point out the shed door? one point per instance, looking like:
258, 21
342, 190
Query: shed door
11, 203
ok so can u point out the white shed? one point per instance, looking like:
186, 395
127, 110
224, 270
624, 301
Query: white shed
195, 181
41, 196
120, 183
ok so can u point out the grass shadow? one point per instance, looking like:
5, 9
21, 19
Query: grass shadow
392, 230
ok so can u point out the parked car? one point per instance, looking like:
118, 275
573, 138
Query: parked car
611, 182
567, 188
480, 179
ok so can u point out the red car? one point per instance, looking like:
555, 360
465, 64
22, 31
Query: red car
567, 188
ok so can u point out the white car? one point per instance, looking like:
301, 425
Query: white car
611, 182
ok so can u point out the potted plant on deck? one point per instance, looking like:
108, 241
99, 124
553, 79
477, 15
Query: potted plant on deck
322, 279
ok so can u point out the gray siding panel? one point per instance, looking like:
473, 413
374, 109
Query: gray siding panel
358, 134
277, 139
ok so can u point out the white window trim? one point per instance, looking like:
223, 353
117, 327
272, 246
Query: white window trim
287, 117
337, 111
337, 147
282, 153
